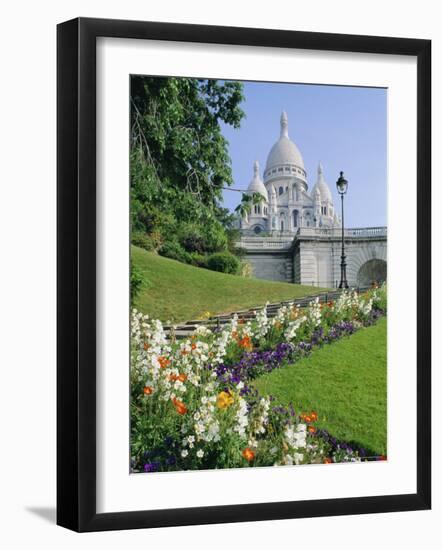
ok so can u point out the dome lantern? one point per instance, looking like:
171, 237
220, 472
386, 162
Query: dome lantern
284, 125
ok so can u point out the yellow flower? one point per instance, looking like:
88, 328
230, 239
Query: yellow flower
224, 400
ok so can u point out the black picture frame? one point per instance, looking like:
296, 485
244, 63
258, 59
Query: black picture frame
77, 287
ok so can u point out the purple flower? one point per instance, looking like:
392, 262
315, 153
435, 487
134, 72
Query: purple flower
151, 467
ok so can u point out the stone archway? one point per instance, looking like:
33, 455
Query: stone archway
372, 271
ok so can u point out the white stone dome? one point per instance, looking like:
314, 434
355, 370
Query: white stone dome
321, 186
256, 185
284, 151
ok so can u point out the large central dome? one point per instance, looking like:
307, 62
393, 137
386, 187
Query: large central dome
284, 152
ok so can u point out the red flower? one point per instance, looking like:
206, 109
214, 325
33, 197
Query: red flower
245, 343
163, 361
248, 454
147, 390
180, 407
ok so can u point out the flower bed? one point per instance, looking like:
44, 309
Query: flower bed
191, 404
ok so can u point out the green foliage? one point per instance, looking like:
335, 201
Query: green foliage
225, 262
143, 240
198, 260
136, 281
179, 162
173, 250
247, 201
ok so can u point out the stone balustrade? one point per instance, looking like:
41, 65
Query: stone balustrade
283, 241
362, 232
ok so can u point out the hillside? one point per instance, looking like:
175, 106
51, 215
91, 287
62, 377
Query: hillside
178, 292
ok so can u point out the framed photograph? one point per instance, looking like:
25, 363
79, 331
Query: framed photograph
243, 274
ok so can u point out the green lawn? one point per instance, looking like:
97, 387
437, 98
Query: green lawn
345, 383
178, 292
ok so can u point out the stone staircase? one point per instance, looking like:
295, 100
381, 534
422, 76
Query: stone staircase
185, 330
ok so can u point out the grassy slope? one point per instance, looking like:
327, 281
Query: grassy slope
345, 382
175, 291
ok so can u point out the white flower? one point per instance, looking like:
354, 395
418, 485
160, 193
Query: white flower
200, 453
298, 457
184, 453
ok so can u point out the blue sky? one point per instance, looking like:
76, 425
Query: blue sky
343, 127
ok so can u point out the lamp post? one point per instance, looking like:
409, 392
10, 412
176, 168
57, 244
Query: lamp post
341, 186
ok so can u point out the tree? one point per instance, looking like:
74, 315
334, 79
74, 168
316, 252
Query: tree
179, 157
247, 201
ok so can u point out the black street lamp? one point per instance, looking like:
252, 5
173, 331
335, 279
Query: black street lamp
341, 186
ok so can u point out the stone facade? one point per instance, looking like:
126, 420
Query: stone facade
313, 256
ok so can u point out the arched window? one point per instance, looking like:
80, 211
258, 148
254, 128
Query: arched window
282, 225
281, 190
295, 218
274, 223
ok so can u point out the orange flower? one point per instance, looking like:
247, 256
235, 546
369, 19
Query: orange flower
307, 419
248, 454
314, 416
245, 343
146, 346
328, 461
234, 334
175, 377
312, 429
193, 346
147, 390
180, 407
163, 361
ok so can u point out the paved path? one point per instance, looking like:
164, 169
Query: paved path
184, 330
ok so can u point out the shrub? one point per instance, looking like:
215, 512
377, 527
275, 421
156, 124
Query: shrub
198, 260
174, 251
246, 269
136, 281
224, 262
143, 240
191, 238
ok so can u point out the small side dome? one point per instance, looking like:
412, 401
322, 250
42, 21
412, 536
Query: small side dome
256, 185
321, 186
